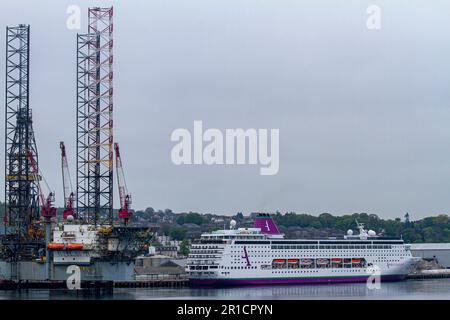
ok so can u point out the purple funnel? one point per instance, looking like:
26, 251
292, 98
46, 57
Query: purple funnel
266, 224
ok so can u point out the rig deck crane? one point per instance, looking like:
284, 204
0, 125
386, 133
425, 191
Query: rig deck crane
125, 212
48, 210
69, 196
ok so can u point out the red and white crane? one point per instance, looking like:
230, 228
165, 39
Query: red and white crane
47, 208
67, 184
125, 212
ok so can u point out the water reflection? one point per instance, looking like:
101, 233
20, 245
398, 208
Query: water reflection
418, 289
425, 289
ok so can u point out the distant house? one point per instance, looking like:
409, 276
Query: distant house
158, 267
170, 251
163, 239
218, 220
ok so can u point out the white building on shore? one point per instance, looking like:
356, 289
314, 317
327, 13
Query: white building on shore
438, 251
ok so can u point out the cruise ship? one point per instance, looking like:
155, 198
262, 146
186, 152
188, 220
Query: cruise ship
261, 255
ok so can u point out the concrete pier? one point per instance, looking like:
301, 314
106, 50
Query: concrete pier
94, 284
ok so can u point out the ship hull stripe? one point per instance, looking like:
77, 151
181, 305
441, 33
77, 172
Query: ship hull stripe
305, 280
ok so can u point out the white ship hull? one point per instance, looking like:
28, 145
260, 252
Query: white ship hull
265, 277
250, 257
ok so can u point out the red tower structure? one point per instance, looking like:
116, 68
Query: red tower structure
95, 119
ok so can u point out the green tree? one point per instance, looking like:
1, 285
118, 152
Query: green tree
177, 233
428, 234
316, 224
191, 217
327, 220
410, 236
184, 247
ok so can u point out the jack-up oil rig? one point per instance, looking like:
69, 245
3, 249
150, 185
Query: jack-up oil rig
37, 243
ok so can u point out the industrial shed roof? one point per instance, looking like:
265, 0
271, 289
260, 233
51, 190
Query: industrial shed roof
430, 246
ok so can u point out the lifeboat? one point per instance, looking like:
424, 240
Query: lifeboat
306, 262
279, 261
56, 246
356, 260
336, 260
74, 246
322, 261
293, 261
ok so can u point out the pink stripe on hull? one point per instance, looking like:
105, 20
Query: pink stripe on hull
243, 282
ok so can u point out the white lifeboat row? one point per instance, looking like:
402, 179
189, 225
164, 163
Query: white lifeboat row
321, 261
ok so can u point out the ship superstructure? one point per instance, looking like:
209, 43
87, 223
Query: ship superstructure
83, 244
261, 255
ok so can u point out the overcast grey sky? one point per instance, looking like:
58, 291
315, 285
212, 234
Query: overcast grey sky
364, 116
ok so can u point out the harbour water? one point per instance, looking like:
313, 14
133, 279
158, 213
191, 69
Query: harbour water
434, 289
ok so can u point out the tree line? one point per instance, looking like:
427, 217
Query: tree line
430, 229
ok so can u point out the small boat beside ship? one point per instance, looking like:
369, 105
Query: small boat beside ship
261, 255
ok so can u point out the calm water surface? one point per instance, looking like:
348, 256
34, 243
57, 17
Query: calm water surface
436, 289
